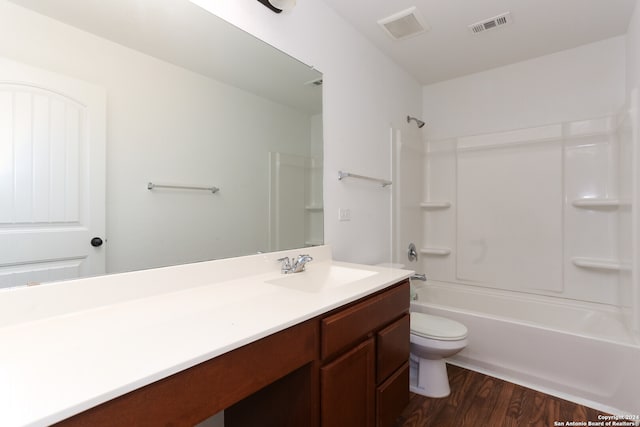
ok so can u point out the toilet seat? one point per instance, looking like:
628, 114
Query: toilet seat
436, 327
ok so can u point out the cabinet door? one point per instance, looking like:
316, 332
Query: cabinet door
393, 347
347, 394
392, 397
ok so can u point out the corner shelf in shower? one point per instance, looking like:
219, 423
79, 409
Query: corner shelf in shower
435, 251
443, 204
598, 263
314, 208
592, 203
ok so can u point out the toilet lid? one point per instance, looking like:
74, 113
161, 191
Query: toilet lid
428, 326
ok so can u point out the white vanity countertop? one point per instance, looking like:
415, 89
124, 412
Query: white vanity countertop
69, 346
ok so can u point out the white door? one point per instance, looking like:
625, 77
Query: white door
52, 176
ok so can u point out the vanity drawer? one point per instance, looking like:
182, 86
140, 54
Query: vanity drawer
392, 397
344, 328
392, 347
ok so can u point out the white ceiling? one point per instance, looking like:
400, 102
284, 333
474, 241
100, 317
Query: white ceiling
450, 50
179, 32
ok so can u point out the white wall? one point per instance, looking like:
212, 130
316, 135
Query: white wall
581, 83
167, 124
364, 94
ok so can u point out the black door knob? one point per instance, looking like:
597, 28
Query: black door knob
96, 241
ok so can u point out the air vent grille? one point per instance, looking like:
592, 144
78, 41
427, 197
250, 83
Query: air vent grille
491, 23
405, 24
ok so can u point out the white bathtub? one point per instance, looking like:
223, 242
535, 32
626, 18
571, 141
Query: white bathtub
576, 351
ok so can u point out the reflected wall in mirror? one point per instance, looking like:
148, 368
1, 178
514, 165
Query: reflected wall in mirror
97, 99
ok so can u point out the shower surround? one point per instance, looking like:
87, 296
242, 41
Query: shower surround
529, 218
538, 210
527, 240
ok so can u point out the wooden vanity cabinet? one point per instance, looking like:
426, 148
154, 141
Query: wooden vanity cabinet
345, 368
193, 395
364, 374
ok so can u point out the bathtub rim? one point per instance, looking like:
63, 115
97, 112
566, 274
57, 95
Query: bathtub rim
633, 339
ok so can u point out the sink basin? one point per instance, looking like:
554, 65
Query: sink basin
321, 279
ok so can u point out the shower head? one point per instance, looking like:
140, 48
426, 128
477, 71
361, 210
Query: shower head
419, 122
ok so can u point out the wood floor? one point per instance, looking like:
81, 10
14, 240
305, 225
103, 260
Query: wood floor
479, 400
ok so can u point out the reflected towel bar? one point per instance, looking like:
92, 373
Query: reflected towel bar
600, 263
342, 175
151, 186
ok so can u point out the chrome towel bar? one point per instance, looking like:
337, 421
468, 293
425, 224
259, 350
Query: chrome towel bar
342, 175
151, 186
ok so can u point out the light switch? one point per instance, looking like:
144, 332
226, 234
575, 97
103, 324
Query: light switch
344, 214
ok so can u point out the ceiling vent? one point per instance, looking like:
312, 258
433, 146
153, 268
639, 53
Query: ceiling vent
403, 25
491, 23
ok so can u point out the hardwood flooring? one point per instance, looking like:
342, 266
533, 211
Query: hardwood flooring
479, 400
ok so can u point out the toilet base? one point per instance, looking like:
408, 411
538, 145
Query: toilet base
428, 377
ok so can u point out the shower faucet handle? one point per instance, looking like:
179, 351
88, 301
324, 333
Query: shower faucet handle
413, 253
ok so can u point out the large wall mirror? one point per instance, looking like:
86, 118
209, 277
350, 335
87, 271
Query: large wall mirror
98, 99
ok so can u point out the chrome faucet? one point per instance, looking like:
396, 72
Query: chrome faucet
300, 262
416, 276
297, 266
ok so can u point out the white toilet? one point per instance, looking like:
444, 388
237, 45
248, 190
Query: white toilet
432, 339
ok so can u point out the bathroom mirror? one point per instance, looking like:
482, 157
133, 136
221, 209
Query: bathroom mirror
179, 98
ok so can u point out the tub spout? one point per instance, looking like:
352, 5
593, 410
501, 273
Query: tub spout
422, 277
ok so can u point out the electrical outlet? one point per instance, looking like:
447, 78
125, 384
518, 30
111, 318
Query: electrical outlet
344, 214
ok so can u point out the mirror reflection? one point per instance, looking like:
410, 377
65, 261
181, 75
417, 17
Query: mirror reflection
99, 99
